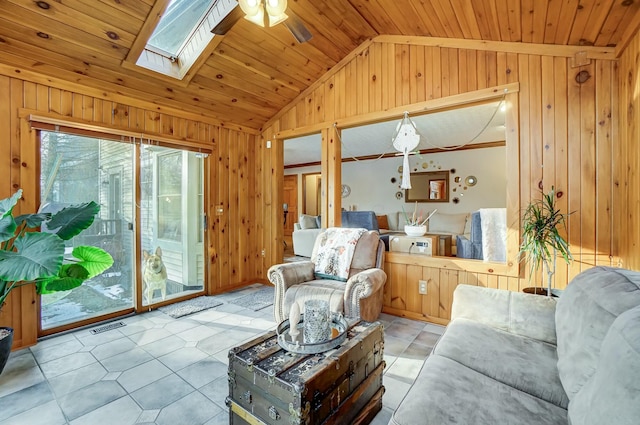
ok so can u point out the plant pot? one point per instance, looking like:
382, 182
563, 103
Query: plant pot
542, 291
535, 290
6, 340
415, 230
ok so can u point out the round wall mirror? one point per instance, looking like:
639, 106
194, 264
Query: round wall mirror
471, 180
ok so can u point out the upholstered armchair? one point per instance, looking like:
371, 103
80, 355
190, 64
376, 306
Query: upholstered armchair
360, 296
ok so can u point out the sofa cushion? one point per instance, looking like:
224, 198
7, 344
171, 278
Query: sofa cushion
307, 221
446, 392
526, 364
448, 223
392, 220
612, 394
585, 312
359, 219
523, 314
383, 222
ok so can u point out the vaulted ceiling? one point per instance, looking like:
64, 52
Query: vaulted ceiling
252, 72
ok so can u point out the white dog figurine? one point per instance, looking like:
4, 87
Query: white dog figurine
154, 274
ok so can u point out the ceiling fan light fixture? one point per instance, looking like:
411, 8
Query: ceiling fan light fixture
250, 7
276, 19
253, 10
276, 7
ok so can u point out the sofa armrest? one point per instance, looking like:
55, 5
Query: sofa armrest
362, 285
528, 315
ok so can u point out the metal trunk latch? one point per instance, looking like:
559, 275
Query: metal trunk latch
273, 413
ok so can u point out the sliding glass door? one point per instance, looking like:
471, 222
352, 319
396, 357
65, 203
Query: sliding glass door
77, 169
171, 223
164, 211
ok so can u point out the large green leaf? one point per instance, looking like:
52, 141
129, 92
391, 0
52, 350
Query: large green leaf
58, 284
37, 256
7, 228
7, 204
72, 220
95, 260
33, 220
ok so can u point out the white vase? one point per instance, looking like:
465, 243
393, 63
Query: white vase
415, 230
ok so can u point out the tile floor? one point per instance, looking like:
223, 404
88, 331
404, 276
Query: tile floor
165, 371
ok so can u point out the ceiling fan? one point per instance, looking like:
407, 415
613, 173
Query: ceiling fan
266, 13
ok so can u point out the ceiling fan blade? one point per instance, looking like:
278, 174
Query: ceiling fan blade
297, 28
228, 21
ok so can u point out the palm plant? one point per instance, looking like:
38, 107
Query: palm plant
541, 238
30, 256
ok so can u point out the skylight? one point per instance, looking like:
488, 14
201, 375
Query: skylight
181, 18
181, 39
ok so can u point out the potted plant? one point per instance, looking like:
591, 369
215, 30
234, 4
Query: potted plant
29, 256
541, 238
416, 225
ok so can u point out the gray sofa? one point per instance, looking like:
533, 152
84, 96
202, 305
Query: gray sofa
515, 358
307, 229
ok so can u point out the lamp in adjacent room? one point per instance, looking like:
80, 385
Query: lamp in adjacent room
257, 11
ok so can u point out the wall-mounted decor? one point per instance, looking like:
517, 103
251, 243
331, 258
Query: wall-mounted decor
430, 186
471, 180
346, 190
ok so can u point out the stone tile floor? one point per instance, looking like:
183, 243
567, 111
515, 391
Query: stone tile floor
165, 371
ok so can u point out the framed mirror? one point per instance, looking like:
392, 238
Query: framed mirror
428, 186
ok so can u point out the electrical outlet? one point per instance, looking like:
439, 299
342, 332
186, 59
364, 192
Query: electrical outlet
422, 287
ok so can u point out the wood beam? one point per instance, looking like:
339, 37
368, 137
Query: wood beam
391, 155
605, 53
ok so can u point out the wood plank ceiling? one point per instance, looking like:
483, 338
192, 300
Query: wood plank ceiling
255, 72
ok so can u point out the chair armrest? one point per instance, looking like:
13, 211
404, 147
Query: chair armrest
289, 274
362, 285
285, 275
528, 315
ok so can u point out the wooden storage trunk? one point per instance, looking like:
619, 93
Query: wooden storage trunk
268, 385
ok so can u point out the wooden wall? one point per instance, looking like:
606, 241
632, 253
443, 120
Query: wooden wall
566, 140
627, 217
234, 238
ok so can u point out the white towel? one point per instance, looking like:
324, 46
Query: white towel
494, 234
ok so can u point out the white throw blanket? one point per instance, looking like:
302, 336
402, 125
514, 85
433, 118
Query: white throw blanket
494, 234
335, 252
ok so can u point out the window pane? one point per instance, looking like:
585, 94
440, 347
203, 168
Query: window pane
180, 18
171, 213
77, 169
169, 196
